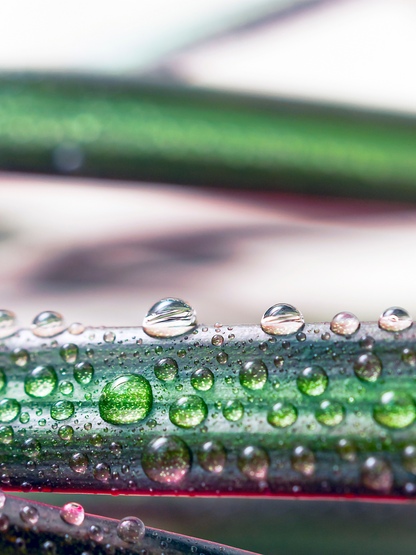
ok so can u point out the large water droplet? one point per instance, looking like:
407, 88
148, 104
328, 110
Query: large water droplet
282, 415
72, 513
303, 460
376, 474
20, 357
69, 352
312, 381
62, 410
109, 337
126, 399
395, 319
102, 472
66, 433
254, 462
282, 319
395, 410
31, 447
8, 323
83, 373
330, 413
345, 323
6, 435
202, 379
66, 388
409, 458
233, 410
41, 381
9, 410
253, 375
48, 324
78, 463
166, 460
166, 369
29, 514
212, 457
169, 317
188, 411
131, 529
368, 367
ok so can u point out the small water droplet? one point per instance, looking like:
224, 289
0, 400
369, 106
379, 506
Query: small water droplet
48, 324
66, 388
29, 514
166, 369
222, 357
253, 375
83, 373
69, 352
409, 458
166, 460
131, 529
254, 462
346, 450
8, 323
24, 417
368, 367
212, 457
20, 357
78, 463
345, 323
282, 319
95, 533
395, 410
169, 317
41, 381
109, 337
188, 411
409, 356
66, 433
376, 474
233, 410
330, 413
303, 460
217, 340
76, 328
72, 513
202, 379
6, 435
278, 361
367, 342
62, 410
9, 410
395, 319
312, 381
126, 399
282, 415
102, 472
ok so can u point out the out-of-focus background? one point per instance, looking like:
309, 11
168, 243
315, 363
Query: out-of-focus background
101, 251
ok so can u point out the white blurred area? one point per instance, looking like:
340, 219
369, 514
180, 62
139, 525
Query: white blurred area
102, 252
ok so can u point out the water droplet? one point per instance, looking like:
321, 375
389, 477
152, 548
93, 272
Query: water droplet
395, 319
6, 435
233, 410
169, 317
409, 357
367, 342
222, 357
303, 460
41, 381
9, 410
346, 450
395, 410
345, 323
202, 379
3, 380
278, 361
126, 399
188, 411
66, 433
2, 501
78, 463
166, 460
330, 413
166, 369
4, 522
312, 381
8, 324
66, 388
212, 457
20, 357
95, 533
376, 474
24, 417
69, 352
72, 513
62, 410
217, 340
253, 375
409, 458
282, 415
83, 373
282, 319
131, 529
102, 472
109, 337
368, 367
254, 462
29, 514
48, 324
76, 328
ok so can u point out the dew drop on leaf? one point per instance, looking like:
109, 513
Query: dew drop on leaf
312, 381
48, 324
395, 319
41, 381
169, 317
166, 460
254, 462
8, 323
253, 375
72, 513
212, 457
188, 411
131, 529
282, 319
126, 399
345, 323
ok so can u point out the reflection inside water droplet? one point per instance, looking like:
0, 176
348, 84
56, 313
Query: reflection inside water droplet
282, 319
48, 324
345, 323
395, 319
169, 317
